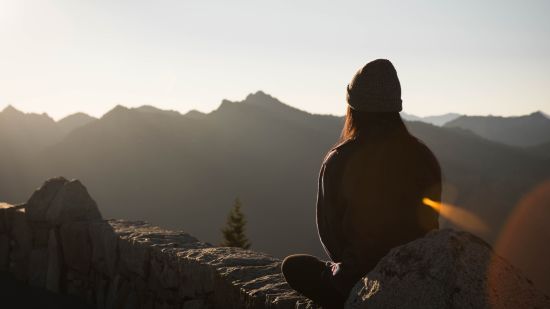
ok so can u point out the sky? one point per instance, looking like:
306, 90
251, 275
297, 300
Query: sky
470, 57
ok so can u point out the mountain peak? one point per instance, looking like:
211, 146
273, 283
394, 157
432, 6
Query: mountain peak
195, 114
11, 110
117, 110
74, 121
155, 110
538, 114
260, 98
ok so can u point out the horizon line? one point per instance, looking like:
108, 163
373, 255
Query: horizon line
56, 119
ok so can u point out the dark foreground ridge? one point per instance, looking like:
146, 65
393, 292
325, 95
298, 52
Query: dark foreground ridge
58, 242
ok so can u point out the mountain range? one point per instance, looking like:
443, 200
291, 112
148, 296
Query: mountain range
524, 131
437, 120
184, 170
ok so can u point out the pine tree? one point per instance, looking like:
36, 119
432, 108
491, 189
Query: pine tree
233, 232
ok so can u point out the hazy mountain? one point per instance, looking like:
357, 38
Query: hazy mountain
154, 110
184, 172
22, 136
437, 120
74, 121
410, 117
195, 114
529, 130
542, 150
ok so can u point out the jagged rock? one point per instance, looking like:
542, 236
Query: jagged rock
194, 304
76, 248
134, 255
40, 201
40, 236
3, 217
164, 272
59, 201
72, 203
104, 242
4, 237
4, 252
21, 243
38, 267
54, 263
445, 269
57, 241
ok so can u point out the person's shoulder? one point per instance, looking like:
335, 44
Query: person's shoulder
339, 152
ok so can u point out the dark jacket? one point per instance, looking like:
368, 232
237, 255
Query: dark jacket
370, 198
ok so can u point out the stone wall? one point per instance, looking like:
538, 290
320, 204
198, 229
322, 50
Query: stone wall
58, 241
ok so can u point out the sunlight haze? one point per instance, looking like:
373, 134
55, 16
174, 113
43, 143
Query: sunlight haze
469, 57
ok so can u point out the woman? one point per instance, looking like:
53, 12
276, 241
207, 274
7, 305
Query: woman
371, 188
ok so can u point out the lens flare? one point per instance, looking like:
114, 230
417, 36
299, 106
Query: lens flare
525, 237
458, 216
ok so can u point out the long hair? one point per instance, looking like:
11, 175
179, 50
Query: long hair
372, 124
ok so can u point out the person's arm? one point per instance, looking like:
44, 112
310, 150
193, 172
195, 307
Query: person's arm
431, 186
329, 216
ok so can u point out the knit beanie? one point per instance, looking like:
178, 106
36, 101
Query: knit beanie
375, 88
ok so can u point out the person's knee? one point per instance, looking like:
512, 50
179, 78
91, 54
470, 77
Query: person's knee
290, 264
297, 266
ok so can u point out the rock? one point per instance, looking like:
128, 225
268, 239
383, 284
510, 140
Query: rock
100, 287
38, 267
4, 252
4, 236
164, 275
58, 201
134, 256
195, 304
72, 203
39, 202
445, 269
54, 263
112, 292
22, 243
4, 209
40, 236
75, 245
104, 242
57, 240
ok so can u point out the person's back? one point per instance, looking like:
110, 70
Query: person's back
371, 190
371, 198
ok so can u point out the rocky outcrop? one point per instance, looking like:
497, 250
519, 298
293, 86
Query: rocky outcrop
58, 241
445, 269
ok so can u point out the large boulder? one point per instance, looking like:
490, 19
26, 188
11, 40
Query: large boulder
21, 243
75, 245
59, 201
445, 269
104, 243
38, 204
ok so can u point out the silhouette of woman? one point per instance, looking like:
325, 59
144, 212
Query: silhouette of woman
371, 188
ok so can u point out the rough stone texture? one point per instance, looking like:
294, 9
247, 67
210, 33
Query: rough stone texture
39, 203
38, 266
77, 251
57, 240
4, 252
445, 269
53, 272
61, 244
20, 243
104, 243
60, 200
